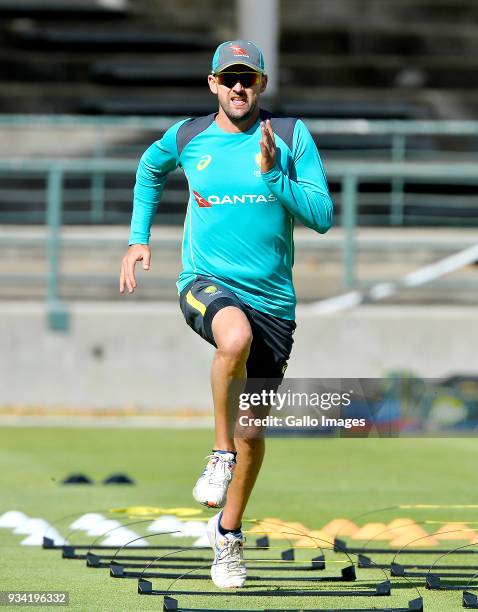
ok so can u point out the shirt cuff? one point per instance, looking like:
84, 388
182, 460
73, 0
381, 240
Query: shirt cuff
137, 240
271, 174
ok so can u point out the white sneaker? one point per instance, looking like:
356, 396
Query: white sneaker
211, 488
228, 570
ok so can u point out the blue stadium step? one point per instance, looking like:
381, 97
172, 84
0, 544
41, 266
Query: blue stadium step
351, 38
199, 105
183, 105
24, 67
364, 72
24, 34
371, 71
359, 12
351, 109
39, 68
58, 9
84, 98
192, 72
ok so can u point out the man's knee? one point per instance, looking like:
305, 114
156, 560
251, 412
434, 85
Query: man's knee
236, 346
233, 334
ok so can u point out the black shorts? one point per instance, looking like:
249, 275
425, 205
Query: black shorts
272, 339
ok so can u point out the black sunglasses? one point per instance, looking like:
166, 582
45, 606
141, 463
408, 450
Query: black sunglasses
246, 79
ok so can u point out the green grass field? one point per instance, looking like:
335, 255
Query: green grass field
306, 480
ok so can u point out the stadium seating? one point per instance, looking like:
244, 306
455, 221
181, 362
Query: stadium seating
153, 104
59, 8
353, 59
416, 58
153, 72
348, 109
102, 39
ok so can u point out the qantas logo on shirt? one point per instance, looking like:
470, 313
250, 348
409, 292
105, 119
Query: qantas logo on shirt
249, 198
200, 200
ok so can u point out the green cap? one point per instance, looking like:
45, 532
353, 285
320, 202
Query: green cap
234, 52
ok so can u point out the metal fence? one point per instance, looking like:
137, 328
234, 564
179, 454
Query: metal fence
348, 174
97, 198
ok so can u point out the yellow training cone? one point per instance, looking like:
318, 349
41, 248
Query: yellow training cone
315, 538
399, 526
455, 531
340, 527
370, 531
474, 538
415, 537
274, 528
260, 527
296, 530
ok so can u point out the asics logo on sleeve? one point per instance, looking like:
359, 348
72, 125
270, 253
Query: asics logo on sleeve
247, 198
204, 162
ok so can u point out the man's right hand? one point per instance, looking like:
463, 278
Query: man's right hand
136, 252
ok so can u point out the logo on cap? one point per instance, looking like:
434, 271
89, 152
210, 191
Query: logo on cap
239, 51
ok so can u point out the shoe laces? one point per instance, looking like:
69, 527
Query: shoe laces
232, 556
219, 469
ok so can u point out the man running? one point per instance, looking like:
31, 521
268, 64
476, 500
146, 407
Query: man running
250, 175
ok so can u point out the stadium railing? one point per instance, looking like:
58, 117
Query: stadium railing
348, 174
377, 140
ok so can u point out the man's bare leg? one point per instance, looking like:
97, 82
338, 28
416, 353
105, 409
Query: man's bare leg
250, 453
233, 337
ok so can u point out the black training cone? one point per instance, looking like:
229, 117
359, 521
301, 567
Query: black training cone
118, 479
77, 479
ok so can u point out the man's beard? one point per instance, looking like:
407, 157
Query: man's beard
243, 118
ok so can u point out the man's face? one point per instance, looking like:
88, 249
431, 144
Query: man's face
238, 99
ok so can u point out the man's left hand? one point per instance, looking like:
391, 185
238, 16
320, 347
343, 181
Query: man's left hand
268, 146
